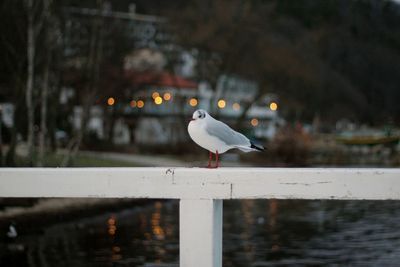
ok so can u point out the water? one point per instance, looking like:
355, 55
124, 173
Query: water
256, 233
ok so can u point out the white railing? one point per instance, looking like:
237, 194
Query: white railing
201, 192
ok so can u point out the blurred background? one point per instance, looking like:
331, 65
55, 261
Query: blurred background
114, 83
317, 82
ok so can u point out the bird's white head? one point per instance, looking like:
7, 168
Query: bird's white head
199, 114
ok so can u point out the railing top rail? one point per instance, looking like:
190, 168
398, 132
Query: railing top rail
201, 183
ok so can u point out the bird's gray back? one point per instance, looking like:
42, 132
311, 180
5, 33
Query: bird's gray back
226, 134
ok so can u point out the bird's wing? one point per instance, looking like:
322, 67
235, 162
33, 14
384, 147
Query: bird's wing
226, 134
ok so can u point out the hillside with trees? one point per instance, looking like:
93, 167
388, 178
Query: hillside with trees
332, 59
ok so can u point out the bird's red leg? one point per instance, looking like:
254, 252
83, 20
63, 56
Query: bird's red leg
209, 160
216, 158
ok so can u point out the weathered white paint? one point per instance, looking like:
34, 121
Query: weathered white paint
201, 192
200, 232
201, 183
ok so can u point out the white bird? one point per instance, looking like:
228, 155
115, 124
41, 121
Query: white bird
216, 136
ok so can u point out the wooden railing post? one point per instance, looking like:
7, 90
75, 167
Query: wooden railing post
200, 234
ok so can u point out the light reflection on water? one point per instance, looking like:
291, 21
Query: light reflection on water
256, 233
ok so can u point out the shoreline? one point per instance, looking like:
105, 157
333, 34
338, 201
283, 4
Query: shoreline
48, 211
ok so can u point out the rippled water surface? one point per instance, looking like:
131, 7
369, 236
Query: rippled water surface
256, 233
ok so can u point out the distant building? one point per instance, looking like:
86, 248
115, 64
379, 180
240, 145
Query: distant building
157, 104
96, 121
161, 104
234, 94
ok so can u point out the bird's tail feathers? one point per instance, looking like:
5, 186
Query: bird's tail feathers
252, 147
245, 148
257, 147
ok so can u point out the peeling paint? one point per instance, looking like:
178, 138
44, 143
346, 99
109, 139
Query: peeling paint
305, 184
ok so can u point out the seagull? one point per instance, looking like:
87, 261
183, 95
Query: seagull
216, 136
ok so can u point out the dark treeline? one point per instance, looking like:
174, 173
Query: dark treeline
332, 59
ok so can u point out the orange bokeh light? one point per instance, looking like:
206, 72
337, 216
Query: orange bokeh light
193, 102
236, 106
254, 122
140, 103
167, 96
110, 101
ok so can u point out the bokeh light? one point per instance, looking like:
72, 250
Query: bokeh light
158, 100
140, 104
133, 103
254, 122
273, 106
193, 102
221, 103
167, 96
112, 227
110, 101
236, 106
155, 94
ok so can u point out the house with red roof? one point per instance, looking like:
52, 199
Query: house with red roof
160, 104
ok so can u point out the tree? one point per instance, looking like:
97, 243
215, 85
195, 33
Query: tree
91, 82
13, 67
30, 77
49, 41
313, 54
